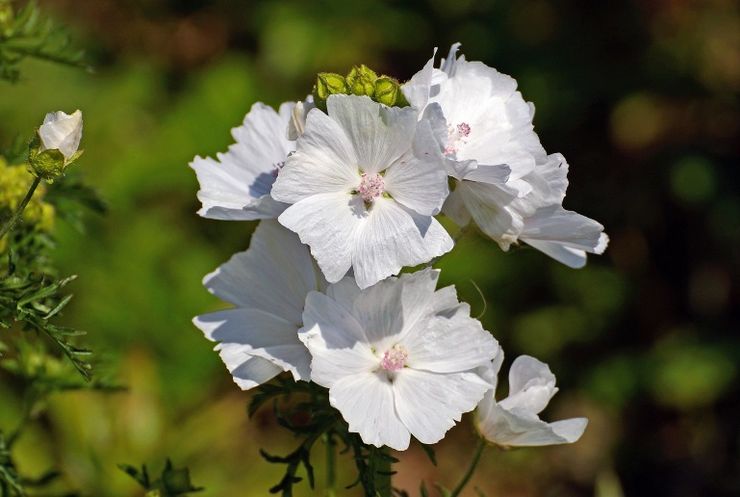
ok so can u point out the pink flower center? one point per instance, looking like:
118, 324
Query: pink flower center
394, 359
457, 136
371, 187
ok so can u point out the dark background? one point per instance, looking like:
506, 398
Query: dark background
640, 96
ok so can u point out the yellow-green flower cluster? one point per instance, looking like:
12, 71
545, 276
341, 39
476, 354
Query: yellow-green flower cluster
14, 184
361, 80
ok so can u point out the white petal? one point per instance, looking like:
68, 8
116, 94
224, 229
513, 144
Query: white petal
61, 131
564, 235
366, 403
246, 370
237, 186
450, 344
419, 182
454, 208
260, 334
531, 385
328, 223
448, 63
324, 162
380, 135
416, 90
509, 430
429, 404
488, 206
393, 236
336, 341
274, 275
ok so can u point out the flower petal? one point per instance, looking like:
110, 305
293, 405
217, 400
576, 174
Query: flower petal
510, 430
429, 404
380, 135
366, 403
246, 370
393, 236
336, 341
237, 186
274, 275
450, 344
261, 334
531, 385
420, 181
324, 162
328, 223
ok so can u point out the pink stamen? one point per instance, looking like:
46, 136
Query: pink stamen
371, 187
456, 137
394, 359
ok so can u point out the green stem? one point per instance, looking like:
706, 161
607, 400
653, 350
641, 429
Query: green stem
331, 465
21, 207
383, 485
471, 469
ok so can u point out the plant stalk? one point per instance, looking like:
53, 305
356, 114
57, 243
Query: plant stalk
8, 226
471, 469
331, 465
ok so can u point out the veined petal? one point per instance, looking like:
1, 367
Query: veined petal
237, 186
420, 181
260, 334
488, 205
393, 236
564, 235
429, 404
274, 275
328, 223
336, 341
380, 135
510, 430
366, 403
324, 162
246, 370
417, 89
450, 344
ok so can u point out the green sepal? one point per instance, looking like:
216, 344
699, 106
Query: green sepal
47, 165
387, 91
361, 81
328, 83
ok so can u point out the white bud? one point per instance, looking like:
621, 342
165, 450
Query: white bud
61, 131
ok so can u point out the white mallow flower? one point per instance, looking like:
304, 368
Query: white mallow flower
61, 131
514, 421
399, 358
484, 127
237, 185
267, 285
364, 182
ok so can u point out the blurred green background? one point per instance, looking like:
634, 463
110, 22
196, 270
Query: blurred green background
640, 96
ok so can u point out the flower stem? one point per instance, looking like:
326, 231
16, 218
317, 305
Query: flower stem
21, 207
331, 467
383, 485
471, 469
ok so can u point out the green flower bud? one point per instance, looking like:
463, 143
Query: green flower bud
387, 91
55, 145
361, 80
328, 83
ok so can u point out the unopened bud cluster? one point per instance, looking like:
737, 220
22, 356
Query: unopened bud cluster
361, 80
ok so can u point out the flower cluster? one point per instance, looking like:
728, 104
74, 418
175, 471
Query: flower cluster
349, 192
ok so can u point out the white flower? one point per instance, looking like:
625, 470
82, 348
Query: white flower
484, 129
61, 131
506, 182
398, 358
364, 182
514, 421
267, 284
237, 185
